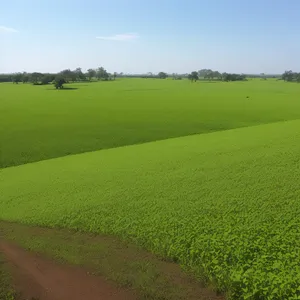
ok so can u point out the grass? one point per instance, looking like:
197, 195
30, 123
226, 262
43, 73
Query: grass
6, 291
224, 204
39, 122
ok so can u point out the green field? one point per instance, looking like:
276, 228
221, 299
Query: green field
221, 200
39, 122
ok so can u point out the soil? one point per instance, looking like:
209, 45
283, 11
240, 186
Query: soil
39, 278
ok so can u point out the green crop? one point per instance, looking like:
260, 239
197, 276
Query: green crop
223, 204
39, 122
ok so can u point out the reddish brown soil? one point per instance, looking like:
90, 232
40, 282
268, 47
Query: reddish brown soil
39, 278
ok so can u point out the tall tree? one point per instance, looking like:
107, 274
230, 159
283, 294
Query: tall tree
288, 75
25, 77
91, 74
79, 74
59, 81
102, 74
162, 75
36, 77
17, 78
193, 76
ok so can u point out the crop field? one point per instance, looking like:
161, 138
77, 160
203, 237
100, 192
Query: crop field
39, 122
205, 174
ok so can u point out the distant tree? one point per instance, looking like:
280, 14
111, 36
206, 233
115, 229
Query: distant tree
217, 75
110, 77
115, 75
35, 77
193, 76
25, 77
288, 75
149, 75
91, 73
68, 75
6, 78
205, 73
47, 78
209, 74
17, 78
59, 82
79, 74
233, 77
102, 74
162, 75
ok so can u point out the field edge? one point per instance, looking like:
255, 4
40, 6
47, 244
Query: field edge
121, 263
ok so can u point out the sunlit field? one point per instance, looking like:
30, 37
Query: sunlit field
205, 174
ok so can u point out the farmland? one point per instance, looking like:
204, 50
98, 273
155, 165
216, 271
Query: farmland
205, 174
38, 122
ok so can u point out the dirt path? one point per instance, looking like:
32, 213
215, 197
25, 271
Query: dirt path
39, 278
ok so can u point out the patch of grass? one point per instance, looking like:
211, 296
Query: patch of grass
224, 205
37, 123
6, 290
121, 262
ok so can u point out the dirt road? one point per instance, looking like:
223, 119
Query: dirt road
39, 278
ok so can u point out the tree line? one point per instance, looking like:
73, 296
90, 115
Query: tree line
291, 76
64, 76
208, 74
67, 75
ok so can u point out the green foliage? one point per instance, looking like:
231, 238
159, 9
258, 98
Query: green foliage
59, 82
193, 76
233, 77
291, 76
162, 75
224, 204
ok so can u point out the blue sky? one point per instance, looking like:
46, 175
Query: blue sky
136, 36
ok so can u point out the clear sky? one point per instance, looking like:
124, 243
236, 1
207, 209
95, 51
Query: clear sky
135, 36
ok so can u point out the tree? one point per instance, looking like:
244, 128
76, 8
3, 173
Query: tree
205, 73
17, 78
288, 75
91, 73
102, 74
149, 75
36, 77
233, 77
59, 82
115, 75
68, 75
47, 78
209, 74
79, 74
162, 75
217, 74
25, 77
193, 76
